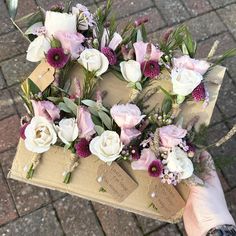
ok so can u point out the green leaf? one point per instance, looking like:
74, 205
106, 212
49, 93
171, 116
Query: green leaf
93, 111
105, 119
138, 86
144, 33
33, 88
166, 93
139, 36
12, 6
71, 105
99, 129
96, 120
89, 103
180, 99
63, 107
34, 18
54, 99
131, 85
166, 105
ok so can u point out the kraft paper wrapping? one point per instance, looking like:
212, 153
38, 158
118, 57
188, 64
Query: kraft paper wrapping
83, 183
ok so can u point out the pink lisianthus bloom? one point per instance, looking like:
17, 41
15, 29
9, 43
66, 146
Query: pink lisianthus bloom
186, 62
141, 51
46, 109
171, 135
146, 158
71, 42
85, 123
127, 117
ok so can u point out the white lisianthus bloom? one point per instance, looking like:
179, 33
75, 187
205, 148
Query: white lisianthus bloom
93, 60
178, 161
56, 21
37, 49
67, 130
106, 147
184, 81
131, 71
40, 135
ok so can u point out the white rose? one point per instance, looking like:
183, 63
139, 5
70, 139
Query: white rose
40, 135
37, 49
56, 21
106, 147
185, 81
178, 161
93, 60
131, 71
67, 130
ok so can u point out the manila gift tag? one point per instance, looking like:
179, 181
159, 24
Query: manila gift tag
165, 198
42, 76
115, 181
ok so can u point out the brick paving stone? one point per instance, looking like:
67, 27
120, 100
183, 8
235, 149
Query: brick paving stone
17, 69
197, 7
231, 202
155, 20
5, 23
227, 91
216, 116
15, 91
56, 194
229, 17
123, 8
226, 42
27, 197
206, 25
148, 224
42, 222
116, 222
12, 44
225, 153
77, 217
6, 104
220, 3
181, 228
170, 230
9, 132
223, 181
7, 208
2, 80
172, 10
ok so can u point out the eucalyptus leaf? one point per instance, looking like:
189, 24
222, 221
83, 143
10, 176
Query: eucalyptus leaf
96, 120
33, 88
93, 111
105, 119
71, 105
12, 6
131, 85
99, 129
166, 105
63, 107
54, 99
139, 36
89, 103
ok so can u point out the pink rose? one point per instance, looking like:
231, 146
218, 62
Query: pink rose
186, 62
146, 158
71, 42
85, 123
171, 135
127, 117
46, 109
141, 50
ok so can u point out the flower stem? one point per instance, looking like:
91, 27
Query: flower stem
30, 172
67, 178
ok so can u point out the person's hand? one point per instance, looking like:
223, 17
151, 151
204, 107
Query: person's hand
206, 206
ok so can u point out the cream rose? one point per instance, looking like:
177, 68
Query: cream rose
37, 49
178, 161
184, 81
67, 130
56, 21
93, 60
40, 135
131, 71
106, 147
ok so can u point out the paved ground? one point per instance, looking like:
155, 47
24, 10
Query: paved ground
27, 210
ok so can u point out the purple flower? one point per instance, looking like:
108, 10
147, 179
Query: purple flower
199, 93
110, 54
56, 57
169, 177
82, 148
155, 168
150, 68
135, 153
22, 130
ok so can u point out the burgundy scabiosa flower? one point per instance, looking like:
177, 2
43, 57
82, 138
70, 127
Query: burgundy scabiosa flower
110, 54
56, 57
150, 68
82, 148
155, 168
135, 153
199, 93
